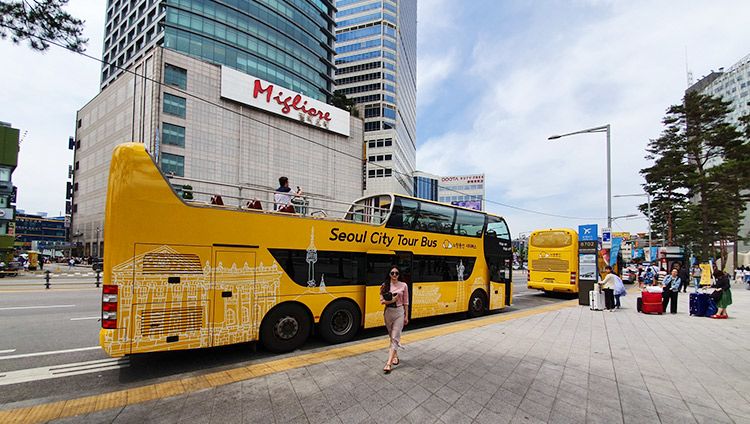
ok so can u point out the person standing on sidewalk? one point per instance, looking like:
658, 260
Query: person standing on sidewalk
671, 285
394, 294
684, 277
697, 276
725, 299
608, 287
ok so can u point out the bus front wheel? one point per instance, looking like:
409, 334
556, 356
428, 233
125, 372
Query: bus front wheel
477, 304
285, 328
340, 322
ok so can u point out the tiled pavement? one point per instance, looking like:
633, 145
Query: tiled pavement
571, 365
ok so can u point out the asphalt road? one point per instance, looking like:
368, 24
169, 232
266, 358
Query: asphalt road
49, 343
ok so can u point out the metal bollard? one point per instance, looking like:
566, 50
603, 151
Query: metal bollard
46, 279
98, 276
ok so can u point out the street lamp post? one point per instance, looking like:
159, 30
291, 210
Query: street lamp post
648, 202
97, 241
603, 128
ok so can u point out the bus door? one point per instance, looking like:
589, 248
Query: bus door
169, 305
377, 264
498, 254
404, 262
234, 316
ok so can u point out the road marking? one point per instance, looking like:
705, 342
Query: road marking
52, 352
7, 351
17, 308
79, 319
65, 370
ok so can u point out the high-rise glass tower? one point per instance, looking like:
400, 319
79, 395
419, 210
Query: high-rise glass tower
286, 42
376, 66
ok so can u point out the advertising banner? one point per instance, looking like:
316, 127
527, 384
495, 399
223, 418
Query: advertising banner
616, 244
470, 204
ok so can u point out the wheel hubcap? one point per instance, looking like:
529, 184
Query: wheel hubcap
286, 328
341, 322
477, 304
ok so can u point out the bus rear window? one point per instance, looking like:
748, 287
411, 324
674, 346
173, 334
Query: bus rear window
551, 239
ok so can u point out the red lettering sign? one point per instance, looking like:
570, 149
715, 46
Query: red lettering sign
289, 103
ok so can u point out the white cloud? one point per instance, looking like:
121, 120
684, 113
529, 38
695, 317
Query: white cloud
622, 65
41, 94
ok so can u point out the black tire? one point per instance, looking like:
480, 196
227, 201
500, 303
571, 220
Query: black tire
285, 328
477, 304
340, 321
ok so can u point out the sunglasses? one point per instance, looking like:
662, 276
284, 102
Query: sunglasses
394, 273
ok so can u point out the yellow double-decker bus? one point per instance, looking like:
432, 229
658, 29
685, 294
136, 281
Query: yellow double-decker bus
553, 260
183, 272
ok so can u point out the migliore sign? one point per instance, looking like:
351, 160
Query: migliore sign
255, 92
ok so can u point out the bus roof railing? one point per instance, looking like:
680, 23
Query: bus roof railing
250, 196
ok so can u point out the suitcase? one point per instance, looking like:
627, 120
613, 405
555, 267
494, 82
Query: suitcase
651, 303
639, 304
698, 304
596, 300
711, 308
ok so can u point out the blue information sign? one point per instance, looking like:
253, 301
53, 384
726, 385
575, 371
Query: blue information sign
588, 232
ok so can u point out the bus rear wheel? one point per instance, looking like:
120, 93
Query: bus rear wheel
285, 328
340, 322
477, 304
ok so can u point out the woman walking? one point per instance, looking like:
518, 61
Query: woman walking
394, 294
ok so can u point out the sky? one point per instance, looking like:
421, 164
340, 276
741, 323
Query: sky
494, 80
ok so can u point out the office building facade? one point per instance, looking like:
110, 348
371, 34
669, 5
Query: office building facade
37, 231
426, 185
732, 85
9, 147
286, 42
376, 43
463, 190
202, 83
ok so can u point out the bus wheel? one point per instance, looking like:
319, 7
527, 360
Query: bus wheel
477, 304
340, 322
285, 328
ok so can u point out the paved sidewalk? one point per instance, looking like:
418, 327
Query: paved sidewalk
569, 365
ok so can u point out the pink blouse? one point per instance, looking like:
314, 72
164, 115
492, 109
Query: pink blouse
402, 290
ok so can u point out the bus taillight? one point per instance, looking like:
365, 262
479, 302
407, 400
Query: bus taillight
572, 278
109, 306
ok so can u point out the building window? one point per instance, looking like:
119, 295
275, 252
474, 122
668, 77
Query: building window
175, 76
173, 135
173, 164
372, 126
174, 105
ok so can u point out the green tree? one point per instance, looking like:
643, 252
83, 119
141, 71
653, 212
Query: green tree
41, 22
696, 177
340, 100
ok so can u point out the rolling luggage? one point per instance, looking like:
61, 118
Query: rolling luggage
651, 303
710, 307
596, 300
698, 304
639, 304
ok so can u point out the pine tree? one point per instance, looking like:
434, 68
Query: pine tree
697, 177
41, 22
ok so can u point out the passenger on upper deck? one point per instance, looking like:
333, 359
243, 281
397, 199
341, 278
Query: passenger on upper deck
283, 195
